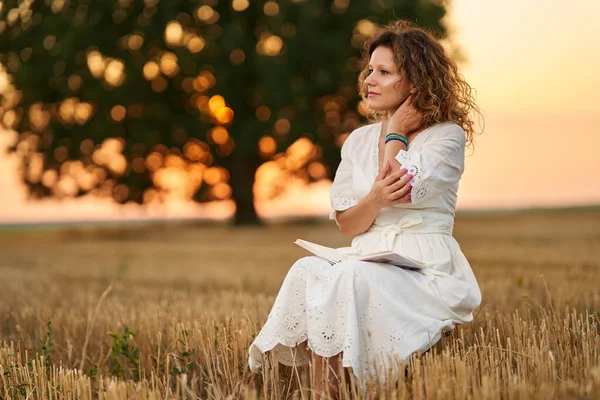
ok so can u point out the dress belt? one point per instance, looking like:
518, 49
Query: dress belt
412, 223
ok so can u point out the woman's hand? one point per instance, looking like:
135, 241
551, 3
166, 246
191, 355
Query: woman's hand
391, 188
405, 119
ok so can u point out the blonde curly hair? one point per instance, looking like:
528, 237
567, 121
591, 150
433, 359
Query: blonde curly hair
442, 94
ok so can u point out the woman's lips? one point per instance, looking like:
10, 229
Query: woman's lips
373, 94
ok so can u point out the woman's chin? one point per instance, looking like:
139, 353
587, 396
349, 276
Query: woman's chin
375, 106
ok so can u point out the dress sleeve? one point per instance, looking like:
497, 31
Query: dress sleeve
436, 165
341, 195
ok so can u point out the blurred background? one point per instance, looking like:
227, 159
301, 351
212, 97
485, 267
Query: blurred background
236, 110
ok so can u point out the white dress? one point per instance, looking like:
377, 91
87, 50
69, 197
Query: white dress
378, 314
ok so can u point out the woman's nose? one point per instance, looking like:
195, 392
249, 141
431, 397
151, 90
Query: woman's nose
370, 82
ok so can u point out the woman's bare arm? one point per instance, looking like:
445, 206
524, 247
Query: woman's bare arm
358, 219
388, 189
392, 149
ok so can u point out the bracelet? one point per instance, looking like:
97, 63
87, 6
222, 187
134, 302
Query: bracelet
399, 138
395, 136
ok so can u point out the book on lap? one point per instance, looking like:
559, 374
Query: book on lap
334, 256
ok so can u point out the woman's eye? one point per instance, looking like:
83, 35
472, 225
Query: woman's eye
382, 71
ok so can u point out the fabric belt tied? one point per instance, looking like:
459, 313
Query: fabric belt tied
409, 222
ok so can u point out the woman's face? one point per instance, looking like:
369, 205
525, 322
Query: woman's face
387, 87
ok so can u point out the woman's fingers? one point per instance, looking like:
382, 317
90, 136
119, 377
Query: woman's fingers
400, 183
406, 199
400, 193
402, 196
384, 171
394, 177
387, 168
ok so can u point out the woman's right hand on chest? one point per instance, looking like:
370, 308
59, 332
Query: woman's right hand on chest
391, 188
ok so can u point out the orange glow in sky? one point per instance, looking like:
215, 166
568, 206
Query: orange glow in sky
535, 68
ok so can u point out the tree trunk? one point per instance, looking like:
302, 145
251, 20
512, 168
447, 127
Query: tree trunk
243, 172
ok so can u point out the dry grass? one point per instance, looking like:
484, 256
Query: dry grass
194, 297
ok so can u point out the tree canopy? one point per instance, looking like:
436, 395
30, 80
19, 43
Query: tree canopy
140, 100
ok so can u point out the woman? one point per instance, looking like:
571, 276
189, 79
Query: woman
395, 189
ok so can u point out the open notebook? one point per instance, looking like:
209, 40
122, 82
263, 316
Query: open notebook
334, 256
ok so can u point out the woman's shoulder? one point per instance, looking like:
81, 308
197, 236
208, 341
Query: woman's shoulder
363, 132
444, 130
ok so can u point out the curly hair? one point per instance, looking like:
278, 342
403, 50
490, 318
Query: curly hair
442, 94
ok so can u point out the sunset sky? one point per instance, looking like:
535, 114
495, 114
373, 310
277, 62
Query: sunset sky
535, 68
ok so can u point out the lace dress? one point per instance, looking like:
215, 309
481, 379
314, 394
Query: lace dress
378, 314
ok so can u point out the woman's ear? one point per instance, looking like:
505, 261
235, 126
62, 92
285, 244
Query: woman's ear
413, 89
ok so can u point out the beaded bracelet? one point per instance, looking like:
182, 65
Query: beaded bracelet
395, 136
